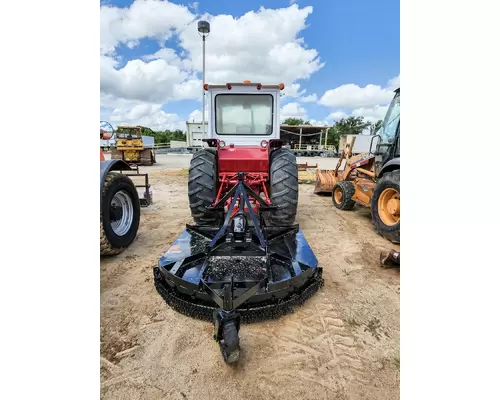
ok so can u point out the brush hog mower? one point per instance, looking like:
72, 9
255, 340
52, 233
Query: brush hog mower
244, 259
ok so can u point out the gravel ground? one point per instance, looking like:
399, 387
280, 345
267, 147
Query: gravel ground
342, 344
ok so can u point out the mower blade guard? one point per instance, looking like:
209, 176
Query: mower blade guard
191, 277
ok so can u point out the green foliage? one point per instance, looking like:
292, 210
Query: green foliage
375, 127
164, 137
346, 126
295, 121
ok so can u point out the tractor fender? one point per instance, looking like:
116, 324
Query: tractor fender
391, 165
112, 165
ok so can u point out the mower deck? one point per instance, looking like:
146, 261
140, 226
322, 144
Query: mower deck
266, 283
242, 270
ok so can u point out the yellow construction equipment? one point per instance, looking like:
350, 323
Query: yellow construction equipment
130, 146
370, 179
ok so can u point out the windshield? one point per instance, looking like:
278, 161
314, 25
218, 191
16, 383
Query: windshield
243, 114
391, 122
124, 132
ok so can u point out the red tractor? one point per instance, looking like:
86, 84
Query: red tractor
245, 258
244, 137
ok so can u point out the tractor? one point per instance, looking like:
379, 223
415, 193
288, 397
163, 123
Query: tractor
244, 259
370, 179
130, 146
120, 201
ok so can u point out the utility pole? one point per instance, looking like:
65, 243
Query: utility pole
203, 31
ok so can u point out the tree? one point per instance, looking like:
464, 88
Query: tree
375, 127
346, 126
295, 121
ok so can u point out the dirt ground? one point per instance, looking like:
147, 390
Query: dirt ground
342, 344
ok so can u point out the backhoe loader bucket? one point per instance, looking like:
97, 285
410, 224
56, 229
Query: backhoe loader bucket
325, 180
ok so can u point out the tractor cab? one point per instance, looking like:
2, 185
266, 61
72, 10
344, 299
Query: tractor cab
129, 132
243, 114
388, 146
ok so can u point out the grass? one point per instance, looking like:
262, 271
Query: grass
396, 361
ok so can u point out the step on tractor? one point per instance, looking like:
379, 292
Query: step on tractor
120, 201
370, 179
244, 259
130, 146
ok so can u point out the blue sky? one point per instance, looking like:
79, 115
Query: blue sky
337, 58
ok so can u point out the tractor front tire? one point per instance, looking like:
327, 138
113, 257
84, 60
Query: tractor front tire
385, 206
202, 186
284, 187
342, 194
120, 214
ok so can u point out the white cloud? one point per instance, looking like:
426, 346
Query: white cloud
370, 102
337, 115
150, 115
371, 114
315, 122
152, 18
352, 96
263, 46
394, 83
293, 110
156, 81
292, 91
194, 6
196, 116
312, 98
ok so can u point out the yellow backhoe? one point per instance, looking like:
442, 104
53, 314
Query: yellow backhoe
370, 179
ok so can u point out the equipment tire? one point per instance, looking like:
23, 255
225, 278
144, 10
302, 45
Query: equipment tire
342, 195
118, 186
202, 186
388, 183
230, 340
284, 187
146, 157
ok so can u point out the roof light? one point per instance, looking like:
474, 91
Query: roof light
259, 86
282, 86
264, 143
246, 81
229, 86
222, 144
205, 86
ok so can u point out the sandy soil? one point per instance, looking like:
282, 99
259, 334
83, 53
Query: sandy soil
342, 344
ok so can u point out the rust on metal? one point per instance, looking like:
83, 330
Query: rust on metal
325, 181
304, 167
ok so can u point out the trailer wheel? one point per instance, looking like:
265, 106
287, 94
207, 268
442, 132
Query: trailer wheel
284, 187
342, 195
202, 186
120, 213
385, 206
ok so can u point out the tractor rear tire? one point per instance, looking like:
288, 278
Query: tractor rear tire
146, 157
386, 224
202, 186
342, 194
284, 187
119, 190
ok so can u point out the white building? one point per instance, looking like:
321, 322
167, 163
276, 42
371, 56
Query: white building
195, 133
